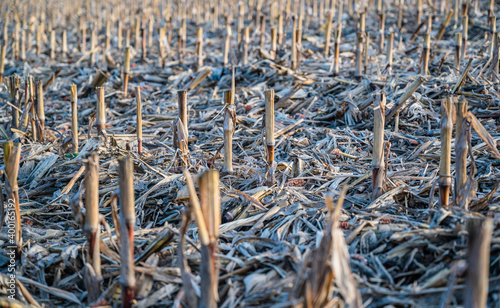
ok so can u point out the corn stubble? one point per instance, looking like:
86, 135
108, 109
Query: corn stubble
392, 112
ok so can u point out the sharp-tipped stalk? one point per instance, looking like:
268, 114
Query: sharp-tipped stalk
101, 111
183, 110
229, 125
127, 222
139, 119
378, 165
91, 227
74, 117
126, 70
445, 164
269, 122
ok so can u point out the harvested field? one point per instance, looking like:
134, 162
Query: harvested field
220, 153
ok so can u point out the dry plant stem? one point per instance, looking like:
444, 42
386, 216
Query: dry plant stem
444, 25
183, 110
378, 164
465, 35
143, 45
493, 30
91, 227
458, 50
229, 124
40, 108
461, 149
478, 257
269, 122
74, 117
210, 207
127, 222
2, 62
126, 70
262, 31
382, 30
227, 45
280, 29
64, 43
93, 42
425, 54
101, 111
445, 163
139, 119
199, 46
12, 155
406, 95
274, 42
53, 44
294, 45
327, 34
245, 43
32, 109
390, 45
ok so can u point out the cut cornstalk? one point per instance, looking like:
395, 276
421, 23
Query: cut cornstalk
478, 259
53, 44
280, 29
269, 122
227, 44
336, 46
274, 42
91, 227
458, 50
127, 222
293, 65
425, 54
244, 44
139, 119
382, 32
13, 88
465, 35
199, 46
378, 165
12, 155
101, 111
74, 117
262, 31
328, 31
461, 149
2, 62
390, 46
229, 126
40, 108
183, 109
64, 44
445, 163
210, 208
126, 70
444, 25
